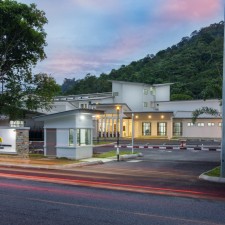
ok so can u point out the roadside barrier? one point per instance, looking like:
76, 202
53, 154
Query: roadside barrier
202, 148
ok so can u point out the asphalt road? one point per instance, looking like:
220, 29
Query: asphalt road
158, 172
27, 202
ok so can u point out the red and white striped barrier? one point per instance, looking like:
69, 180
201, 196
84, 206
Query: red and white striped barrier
203, 148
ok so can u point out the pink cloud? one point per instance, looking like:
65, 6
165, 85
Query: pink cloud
191, 9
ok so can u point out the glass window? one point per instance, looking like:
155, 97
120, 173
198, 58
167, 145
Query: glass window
146, 129
83, 137
71, 134
145, 91
177, 129
201, 124
145, 104
84, 105
190, 124
161, 129
211, 124
220, 124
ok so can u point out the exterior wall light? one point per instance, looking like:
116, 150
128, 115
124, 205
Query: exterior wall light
162, 117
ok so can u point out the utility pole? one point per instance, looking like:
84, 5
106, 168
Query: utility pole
222, 170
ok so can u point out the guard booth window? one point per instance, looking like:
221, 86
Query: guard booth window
83, 137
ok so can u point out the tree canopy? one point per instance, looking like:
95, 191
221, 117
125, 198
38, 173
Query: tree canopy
22, 42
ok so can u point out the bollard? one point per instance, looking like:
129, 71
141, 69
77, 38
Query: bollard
118, 154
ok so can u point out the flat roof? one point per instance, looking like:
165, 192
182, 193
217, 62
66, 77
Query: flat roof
142, 84
67, 113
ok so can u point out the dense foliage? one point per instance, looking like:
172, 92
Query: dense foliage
22, 42
194, 65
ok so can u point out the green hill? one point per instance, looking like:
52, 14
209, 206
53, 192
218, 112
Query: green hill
194, 65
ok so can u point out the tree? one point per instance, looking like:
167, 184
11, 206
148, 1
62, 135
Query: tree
204, 110
22, 42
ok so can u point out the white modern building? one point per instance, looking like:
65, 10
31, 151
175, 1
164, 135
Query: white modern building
146, 107
149, 108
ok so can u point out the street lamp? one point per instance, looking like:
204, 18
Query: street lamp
222, 168
117, 129
132, 133
97, 128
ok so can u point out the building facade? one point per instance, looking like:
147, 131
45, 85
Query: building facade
145, 107
149, 109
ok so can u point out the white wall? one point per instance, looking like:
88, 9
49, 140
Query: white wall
61, 122
162, 93
134, 96
188, 105
202, 132
84, 121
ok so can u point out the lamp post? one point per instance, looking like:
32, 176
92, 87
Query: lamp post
97, 128
117, 129
222, 168
132, 133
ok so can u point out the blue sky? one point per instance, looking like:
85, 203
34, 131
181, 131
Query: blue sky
96, 36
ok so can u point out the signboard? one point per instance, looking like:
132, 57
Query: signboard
7, 140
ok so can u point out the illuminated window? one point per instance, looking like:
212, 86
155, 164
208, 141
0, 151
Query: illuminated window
146, 129
211, 124
201, 124
220, 124
177, 129
17, 123
161, 129
83, 137
190, 124
71, 134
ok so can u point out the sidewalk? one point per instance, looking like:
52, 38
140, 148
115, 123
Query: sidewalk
63, 164
48, 163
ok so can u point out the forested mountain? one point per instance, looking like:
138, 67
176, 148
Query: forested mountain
194, 65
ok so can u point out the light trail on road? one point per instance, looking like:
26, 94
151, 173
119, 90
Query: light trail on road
116, 186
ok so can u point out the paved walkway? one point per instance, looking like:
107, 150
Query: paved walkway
48, 162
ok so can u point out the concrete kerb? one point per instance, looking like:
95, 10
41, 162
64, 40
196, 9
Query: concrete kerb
131, 156
212, 179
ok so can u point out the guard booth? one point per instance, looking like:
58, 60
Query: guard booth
69, 134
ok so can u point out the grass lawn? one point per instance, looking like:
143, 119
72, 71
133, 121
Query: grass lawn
112, 154
100, 143
214, 172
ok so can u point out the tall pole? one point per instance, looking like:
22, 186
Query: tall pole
132, 133
117, 125
222, 168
